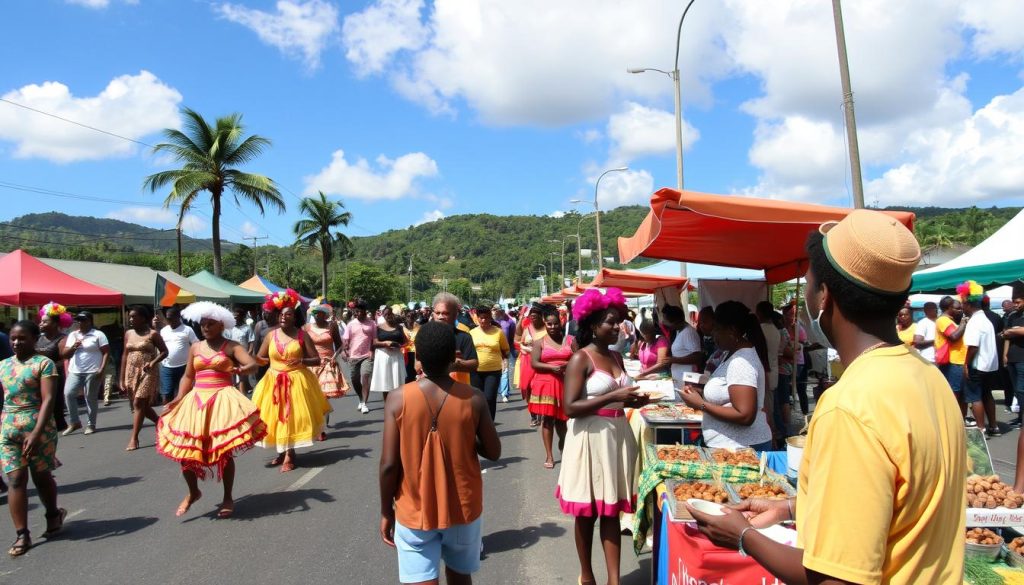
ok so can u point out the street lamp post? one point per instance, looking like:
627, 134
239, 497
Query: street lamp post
562, 241
579, 255
597, 212
544, 281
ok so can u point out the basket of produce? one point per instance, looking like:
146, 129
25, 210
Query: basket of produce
680, 490
1015, 552
983, 543
988, 492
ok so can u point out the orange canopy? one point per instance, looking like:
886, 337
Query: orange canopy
631, 281
740, 232
553, 299
573, 291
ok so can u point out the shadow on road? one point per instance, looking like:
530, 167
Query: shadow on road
100, 529
641, 576
325, 458
95, 484
353, 423
347, 434
511, 432
502, 463
506, 540
263, 505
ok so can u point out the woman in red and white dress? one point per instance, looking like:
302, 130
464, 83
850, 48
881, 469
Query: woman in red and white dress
327, 340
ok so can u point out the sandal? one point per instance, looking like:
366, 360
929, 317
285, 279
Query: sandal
287, 466
549, 465
21, 544
226, 509
60, 515
276, 461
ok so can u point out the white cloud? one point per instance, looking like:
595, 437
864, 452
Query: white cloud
298, 28
533, 62
632, 187
373, 36
249, 229
430, 216
640, 131
997, 25
557, 214
160, 217
391, 179
97, 4
132, 106
589, 136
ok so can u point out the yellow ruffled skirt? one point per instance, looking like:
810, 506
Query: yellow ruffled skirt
208, 427
292, 407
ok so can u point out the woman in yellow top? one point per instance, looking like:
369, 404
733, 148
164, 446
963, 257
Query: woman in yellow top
905, 326
492, 352
411, 327
289, 398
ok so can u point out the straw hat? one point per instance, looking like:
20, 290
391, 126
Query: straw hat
873, 250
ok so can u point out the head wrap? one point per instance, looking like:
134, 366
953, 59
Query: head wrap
196, 312
970, 292
322, 308
53, 309
593, 300
281, 300
397, 308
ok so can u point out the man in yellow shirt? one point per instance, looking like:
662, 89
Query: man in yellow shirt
881, 489
950, 351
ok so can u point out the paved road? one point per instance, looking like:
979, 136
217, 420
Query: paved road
317, 524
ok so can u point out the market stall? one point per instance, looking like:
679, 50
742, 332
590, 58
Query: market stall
236, 294
25, 281
740, 232
257, 283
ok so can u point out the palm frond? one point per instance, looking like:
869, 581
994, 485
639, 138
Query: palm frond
250, 148
258, 190
198, 129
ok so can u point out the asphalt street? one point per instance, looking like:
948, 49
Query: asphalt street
317, 524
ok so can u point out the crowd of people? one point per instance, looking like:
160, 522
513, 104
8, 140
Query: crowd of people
442, 370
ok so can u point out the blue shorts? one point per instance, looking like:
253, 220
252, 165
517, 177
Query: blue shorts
420, 552
954, 375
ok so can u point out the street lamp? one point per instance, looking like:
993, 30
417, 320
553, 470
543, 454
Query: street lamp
562, 241
674, 75
544, 281
579, 255
597, 212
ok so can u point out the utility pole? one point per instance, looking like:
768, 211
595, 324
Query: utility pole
410, 277
178, 229
851, 118
255, 270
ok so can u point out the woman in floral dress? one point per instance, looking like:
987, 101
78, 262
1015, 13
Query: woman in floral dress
327, 340
144, 349
28, 434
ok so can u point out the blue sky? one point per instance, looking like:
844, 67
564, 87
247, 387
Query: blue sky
408, 111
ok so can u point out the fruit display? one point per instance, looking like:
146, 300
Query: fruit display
1017, 545
679, 454
740, 457
983, 536
769, 491
701, 491
989, 492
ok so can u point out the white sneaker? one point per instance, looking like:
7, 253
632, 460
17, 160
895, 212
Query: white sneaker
364, 409
89, 431
504, 398
361, 406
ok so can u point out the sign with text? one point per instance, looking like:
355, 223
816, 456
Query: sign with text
694, 560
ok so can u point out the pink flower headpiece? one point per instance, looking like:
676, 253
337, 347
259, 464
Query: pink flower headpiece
593, 300
281, 300
53, 309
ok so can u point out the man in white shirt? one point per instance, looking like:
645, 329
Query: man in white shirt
242, 334
980, 365
685, 353
86, 351
924, 332
178, 338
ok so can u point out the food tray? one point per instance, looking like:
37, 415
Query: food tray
671, 413
755, 459
678, 507
787, 489
699, 457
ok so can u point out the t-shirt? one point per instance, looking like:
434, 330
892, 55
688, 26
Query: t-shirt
880, 497
359, 336
508, 327
1015, 353
743, 368
686, 342
178, 341
802, 340
785, 365
466, 351
773, 341
926, 329
956, 353
907, 335
489, 348
980, 334
648, 353
87, 359
241, 334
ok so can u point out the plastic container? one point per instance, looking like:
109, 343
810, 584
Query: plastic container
794, 453
1013, 559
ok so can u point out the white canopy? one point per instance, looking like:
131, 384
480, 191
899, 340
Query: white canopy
1004, 245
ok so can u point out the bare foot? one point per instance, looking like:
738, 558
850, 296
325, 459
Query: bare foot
132, 445
187, 503
276, 460
549, 464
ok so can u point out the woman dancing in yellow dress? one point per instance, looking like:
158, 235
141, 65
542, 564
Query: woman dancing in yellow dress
289, 396
210, 420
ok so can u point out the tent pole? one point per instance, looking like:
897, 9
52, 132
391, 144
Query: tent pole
796, 337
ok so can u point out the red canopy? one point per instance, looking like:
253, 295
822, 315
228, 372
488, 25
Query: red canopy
631, 281
27, 281
573, 291
740, 232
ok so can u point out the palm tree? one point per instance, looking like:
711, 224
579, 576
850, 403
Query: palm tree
313, 231
210, 156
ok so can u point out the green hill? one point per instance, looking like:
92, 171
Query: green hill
477, 256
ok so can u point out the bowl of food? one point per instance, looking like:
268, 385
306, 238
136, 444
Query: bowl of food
986, 491
983, 543
1015, 552
688, 491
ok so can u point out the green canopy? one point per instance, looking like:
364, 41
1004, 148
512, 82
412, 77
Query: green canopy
987, 275
236, 293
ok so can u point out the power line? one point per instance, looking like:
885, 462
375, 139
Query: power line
69, 121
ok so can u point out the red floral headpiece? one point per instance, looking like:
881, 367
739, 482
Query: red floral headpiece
281, 300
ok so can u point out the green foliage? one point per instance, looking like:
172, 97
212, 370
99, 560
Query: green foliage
313, 232
462, 288
209, 156
938, 227
367, 282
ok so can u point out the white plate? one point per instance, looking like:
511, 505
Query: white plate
706, 507
780, 534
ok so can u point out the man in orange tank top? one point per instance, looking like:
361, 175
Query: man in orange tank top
431, 489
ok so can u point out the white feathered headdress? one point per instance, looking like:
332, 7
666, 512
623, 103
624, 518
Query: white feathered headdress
196, 312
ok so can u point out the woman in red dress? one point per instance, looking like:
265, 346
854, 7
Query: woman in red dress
548, 358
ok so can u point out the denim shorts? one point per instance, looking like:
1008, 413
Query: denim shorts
977, 384
954, 375
170, 379
420, 552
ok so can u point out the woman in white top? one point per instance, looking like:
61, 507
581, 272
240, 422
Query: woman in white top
733, 398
